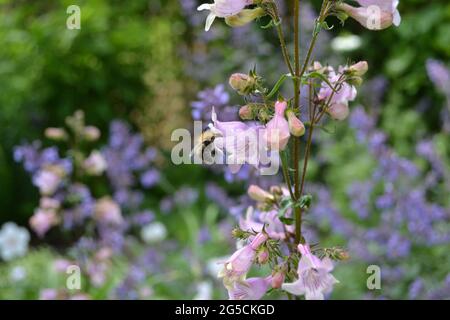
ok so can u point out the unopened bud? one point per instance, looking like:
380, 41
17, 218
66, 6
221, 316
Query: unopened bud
296, 127
263, 256
258, 240
258, 194
355, 81
57, 134
276, 190
264, 115
242, 83
359, 68
246, 113
238, 233
91, 133
244, 17
316, 66
277, 279
339, 111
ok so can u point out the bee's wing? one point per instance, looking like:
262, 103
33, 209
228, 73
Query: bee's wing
197, 150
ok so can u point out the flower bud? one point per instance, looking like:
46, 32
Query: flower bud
246, 113
244, 17
239, 233
277, 279
296, 127
262, 256
258, 240
263, 115
339, 111
258, 194
359, 68
276, 190
277, 129
317, 66
91, 133
242, 83
355, 81
57, 134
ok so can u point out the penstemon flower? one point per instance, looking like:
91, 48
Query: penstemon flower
223, 9
277, 131
338, 96
240, 262
314, 278
374, 14
238, 141
249, 289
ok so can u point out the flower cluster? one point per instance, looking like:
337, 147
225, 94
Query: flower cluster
268, 234
71, 199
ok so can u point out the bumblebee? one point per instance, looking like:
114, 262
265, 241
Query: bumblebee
204, 149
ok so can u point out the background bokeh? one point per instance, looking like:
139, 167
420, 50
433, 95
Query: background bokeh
140, 69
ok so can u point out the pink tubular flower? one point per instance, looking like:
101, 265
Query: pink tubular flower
277, 279
238, 141
374, 14
249, 289
222, 9
274, 227
345, 92
339, 111
296, 127
314, 278
277, 129
258, 194
240, 262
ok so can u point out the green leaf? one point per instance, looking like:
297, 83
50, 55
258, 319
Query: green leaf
319, 75
286, 203
305, 201
287, 221
278, 84
269, 25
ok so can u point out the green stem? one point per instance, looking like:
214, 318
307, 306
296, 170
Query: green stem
284, 50
287, 177
321, 19
297, 210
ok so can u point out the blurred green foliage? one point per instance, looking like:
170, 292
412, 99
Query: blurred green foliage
47, 71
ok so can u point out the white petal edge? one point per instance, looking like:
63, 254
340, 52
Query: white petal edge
209, 21
397, 19
205, 6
